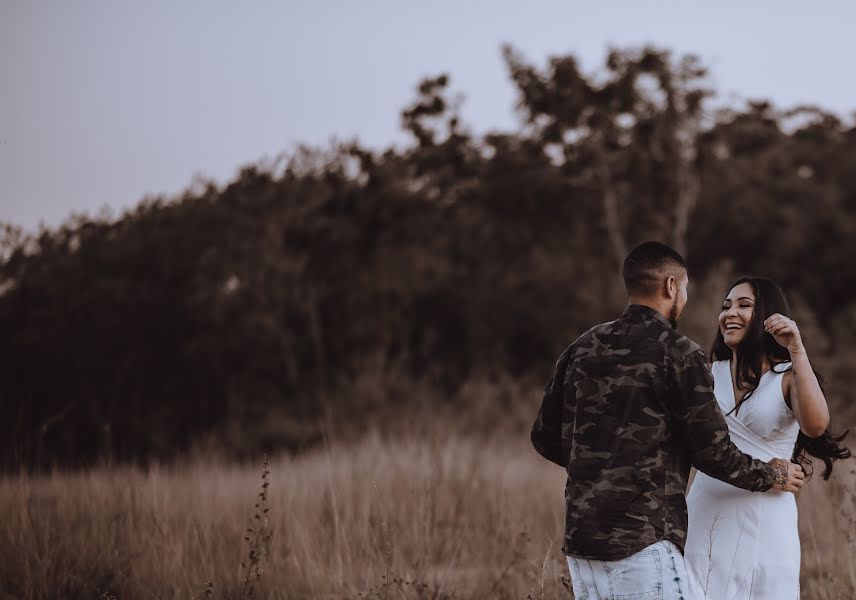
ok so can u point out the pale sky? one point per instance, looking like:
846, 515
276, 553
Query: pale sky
103, 103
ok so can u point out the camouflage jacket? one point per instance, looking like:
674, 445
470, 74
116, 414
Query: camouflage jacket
629, 408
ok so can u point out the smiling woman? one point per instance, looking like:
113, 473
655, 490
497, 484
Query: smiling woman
741, 544
755, 335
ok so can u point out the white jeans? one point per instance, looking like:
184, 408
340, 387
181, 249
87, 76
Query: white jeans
654, 573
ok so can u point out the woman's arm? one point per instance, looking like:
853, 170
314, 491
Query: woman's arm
800, 385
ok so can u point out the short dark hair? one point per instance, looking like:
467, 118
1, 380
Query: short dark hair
647, 265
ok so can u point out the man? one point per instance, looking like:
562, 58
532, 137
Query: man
629, 409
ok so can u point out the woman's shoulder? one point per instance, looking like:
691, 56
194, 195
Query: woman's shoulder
719, 369
785, 370
784, 367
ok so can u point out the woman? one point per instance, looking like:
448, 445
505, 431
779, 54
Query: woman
742, 544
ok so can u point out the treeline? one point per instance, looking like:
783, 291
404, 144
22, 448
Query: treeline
344, 283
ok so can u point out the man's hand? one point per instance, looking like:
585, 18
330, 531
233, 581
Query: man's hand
789, 475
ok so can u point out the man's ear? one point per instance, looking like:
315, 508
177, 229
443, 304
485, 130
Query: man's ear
670, 287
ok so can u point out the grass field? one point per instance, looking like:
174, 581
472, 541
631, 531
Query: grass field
437, 517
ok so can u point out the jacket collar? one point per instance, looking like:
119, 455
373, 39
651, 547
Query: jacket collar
640, 312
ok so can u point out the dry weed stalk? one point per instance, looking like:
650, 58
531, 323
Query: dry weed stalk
258, 536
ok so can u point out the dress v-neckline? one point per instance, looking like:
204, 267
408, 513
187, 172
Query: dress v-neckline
734, 401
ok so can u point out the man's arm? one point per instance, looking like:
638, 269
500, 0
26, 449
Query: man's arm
702, 429
547, 431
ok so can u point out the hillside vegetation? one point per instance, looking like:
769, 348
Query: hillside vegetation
345, 287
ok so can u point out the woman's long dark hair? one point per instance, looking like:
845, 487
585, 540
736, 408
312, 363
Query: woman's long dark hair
758, 346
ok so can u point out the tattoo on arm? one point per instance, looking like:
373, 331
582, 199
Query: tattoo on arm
780, 467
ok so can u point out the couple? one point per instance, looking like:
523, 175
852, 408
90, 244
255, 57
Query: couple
631, 407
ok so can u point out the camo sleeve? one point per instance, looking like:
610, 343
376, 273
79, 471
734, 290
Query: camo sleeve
547, 430
704, 432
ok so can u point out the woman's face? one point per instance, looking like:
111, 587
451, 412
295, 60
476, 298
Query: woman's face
737, 310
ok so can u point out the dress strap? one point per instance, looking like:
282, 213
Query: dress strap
782, 367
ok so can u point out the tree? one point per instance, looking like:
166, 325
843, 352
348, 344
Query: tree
632, 135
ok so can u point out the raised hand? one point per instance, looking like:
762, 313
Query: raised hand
784, 331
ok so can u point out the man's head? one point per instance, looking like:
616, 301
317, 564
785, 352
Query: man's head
656, 276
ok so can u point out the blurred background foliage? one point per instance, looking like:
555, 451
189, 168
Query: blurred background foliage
349, 287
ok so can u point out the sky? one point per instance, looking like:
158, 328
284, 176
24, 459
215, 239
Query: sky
105, 103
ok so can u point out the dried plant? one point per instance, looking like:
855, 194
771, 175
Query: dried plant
412, 520
259, 537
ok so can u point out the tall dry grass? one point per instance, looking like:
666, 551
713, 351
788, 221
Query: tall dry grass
443, 516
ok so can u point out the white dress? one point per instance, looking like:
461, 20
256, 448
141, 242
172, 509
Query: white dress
744, 545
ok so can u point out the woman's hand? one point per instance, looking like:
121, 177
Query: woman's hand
785, 332
802, 390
